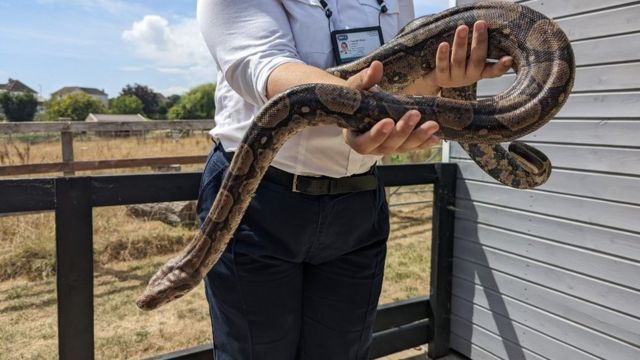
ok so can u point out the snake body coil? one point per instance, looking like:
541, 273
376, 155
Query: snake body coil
544, 63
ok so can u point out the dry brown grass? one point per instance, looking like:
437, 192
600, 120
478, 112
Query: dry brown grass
23, 151
409, 248
28, 315
128, 251
28, 308
27, 242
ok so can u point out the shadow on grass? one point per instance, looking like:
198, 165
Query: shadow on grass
26, 301
52, 301
125, 275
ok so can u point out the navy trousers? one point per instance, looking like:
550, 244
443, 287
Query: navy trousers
302, 276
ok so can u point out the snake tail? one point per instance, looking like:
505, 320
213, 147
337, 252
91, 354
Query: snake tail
522, 166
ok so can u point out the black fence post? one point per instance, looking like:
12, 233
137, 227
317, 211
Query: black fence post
398, 326
441, 259
74, 262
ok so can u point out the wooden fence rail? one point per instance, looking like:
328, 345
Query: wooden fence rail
70, 167
67, 128
81, 126
398, 326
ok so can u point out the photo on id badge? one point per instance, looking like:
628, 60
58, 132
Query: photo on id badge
350, 45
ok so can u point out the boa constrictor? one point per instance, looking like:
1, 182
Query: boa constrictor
544, 63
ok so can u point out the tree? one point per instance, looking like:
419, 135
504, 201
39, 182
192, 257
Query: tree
166, 104
76, 106
172, 100
198, 103
18, 107
150, 99
126, 104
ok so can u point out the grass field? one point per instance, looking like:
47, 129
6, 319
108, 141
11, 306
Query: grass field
46, 149
127, 252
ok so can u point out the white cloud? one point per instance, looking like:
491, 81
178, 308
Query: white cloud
174, 70
176, 49
174, 90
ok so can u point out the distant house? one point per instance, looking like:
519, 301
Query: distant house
96, 93
14, 86
114, 118
104, 118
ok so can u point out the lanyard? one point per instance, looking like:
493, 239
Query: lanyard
327, 10
328, 13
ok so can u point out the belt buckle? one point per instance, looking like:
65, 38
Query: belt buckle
294, 186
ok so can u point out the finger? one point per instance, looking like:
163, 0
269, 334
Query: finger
399, 135
366, 78
374, 75
419, 136
430, 142
459, 52
442, 63
497, 69
479, 45
357, 81
370, 140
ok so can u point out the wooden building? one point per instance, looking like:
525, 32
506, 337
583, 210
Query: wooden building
554, 273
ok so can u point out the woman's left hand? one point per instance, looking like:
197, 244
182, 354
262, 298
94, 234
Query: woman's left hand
453, 69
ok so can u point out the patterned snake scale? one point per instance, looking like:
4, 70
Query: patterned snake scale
543, 61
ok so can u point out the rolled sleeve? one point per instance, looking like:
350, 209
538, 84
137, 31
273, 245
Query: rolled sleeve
248, 39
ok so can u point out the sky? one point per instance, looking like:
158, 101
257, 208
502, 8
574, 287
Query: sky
107, 44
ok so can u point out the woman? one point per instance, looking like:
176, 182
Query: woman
302, 276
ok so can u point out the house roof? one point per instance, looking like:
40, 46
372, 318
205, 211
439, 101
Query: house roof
115, 117
70, 89
14, 85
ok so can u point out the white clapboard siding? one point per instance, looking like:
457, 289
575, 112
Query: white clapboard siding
618, 243
602, 105
613, 49
570, 283
514, 331
554, 272
588, 263
619, 20
499, 347
558, 9
621, 160
605, 321
472, 350
624, 217
582, 19
592, 132
588, 78
517, 321
620, 188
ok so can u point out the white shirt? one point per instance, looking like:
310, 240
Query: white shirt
250, 38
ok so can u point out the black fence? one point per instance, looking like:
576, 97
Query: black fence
398, 326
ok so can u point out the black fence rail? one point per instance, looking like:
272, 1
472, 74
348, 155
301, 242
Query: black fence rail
398, 326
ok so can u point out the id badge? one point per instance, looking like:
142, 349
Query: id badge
352, 44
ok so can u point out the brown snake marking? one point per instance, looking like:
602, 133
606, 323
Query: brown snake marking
543, 61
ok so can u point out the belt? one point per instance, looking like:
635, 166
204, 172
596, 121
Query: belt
311, 185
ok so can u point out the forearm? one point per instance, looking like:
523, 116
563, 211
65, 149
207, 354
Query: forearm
289, 75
